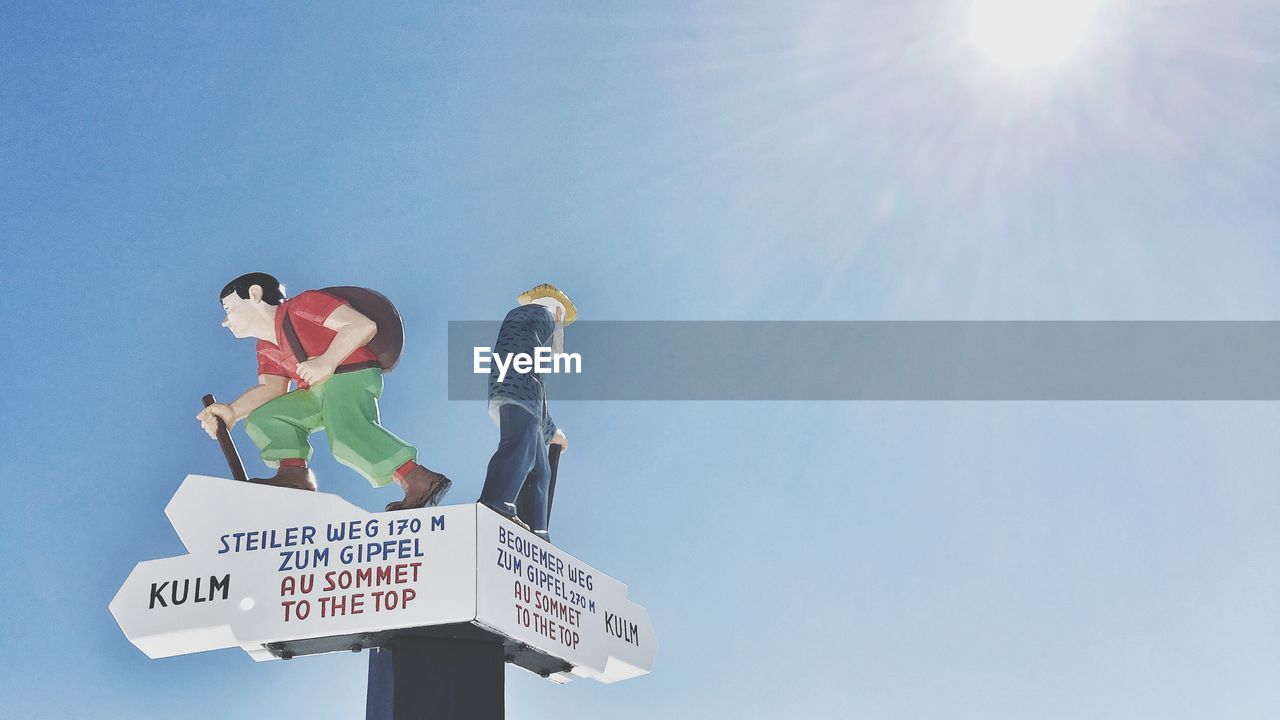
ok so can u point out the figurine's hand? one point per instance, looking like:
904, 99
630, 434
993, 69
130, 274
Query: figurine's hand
210, 416
560, 439
316, 370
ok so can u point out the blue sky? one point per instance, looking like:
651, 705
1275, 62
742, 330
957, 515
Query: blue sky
677, 161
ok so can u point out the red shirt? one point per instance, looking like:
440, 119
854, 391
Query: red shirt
307, 313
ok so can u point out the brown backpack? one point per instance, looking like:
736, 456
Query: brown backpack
386, 345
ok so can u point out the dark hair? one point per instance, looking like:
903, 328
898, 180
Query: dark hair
272, 290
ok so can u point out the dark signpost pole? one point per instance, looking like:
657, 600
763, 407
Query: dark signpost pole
436, 678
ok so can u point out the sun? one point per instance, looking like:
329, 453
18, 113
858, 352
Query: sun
1024, 35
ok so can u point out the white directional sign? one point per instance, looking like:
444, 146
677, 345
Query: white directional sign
281, 572
533, 592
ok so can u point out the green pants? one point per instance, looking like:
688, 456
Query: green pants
346, 407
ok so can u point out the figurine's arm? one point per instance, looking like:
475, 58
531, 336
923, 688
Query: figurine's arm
269, 388
354, 331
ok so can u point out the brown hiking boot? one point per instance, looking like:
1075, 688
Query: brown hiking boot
297, 478
422, 488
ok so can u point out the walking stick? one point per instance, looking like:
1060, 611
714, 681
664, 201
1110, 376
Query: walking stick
553, 458
229, 447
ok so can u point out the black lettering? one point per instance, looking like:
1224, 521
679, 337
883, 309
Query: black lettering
186, 590
223, 584
156, 596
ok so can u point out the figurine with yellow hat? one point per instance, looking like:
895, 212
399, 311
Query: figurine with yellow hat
516, 484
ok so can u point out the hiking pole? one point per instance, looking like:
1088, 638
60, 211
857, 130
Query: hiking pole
553, 458
229, 447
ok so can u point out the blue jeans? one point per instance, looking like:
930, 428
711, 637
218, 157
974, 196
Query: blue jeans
519, 473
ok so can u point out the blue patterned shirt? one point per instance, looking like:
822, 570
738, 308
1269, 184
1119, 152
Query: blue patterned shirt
523, 330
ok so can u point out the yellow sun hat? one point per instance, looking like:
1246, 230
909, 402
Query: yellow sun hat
547, 290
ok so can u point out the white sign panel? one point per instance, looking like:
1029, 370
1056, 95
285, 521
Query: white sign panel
536, 593
270, 565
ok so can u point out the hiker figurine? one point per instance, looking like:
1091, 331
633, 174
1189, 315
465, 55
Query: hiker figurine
516, 485
336, 355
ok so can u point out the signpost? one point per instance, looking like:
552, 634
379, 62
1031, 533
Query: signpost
281, 574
